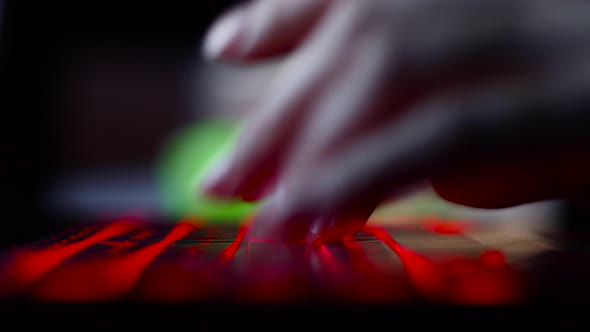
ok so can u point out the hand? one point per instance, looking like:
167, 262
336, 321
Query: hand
488, 98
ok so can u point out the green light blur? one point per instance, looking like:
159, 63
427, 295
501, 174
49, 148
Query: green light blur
185, 160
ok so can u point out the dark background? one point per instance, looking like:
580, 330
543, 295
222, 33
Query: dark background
91, 84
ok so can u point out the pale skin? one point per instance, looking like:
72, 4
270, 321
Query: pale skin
489, 100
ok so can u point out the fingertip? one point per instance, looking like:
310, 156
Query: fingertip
258, 185
252, 195
222, 39
276, 221
314, 232
340, 232
217, 182
494, 187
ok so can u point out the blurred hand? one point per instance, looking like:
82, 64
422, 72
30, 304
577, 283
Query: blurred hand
489, 99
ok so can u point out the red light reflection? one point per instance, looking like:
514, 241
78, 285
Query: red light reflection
178, 281
488, 280
104, 280
270, 271
446, 227
29, 267
358, 280
229, 252
273, 272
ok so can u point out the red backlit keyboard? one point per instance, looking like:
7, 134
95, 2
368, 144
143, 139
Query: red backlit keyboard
131, 261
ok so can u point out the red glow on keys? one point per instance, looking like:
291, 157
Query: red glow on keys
229, 252
357, 258
271, 271
424, 274
357, 280
493, 258
172, 282
463, 281
446, 227
271, 284
325, 263
29, 267
104, 280
181, 281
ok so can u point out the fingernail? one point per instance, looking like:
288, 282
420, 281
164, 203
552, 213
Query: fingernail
215, 183
223, 35
252, 193
315, 232
256, 193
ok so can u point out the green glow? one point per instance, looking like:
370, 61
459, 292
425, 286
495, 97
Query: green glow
186, 158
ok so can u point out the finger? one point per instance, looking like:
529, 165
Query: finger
343, 225
315, 229
268, 134
272, 224
343, 112
556, 161
394, 157
509, 182
263, 29
353, 103
259, 186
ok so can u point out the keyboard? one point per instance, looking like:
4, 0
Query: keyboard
134, 261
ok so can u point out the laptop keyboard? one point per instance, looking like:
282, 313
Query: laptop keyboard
130, 261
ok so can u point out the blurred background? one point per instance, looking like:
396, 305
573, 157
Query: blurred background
97, 94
